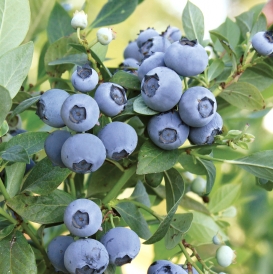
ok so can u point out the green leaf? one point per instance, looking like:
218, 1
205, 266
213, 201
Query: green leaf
203, 228
210, 172
193, 22
190, 203
14, 67
180, 224
14, 178
99, 51
259, 164
103, 179
6, 231
114, 12
243, 96
260, 76
59, 24
5, 103
140, 107
126, 80
230, 31
174, 186
224, 197
46, 209
45, 177
259, 25
14, 23
60, 49
40, 11
134, 219
25, 105
32, 142
164, 225
140, 195
17, 256
4, 128
189, 163
227, 46
152, 159
77, 59
15, 153
215, 69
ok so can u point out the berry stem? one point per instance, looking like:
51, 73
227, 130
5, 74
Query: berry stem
115, 191
7, 216
118, 165
84, 43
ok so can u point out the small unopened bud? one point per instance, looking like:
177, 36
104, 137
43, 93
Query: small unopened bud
105, 35
79, 20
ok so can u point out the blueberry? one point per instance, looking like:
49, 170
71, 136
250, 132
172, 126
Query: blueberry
84, 79
155, 44
86, 256
122, 245
144, 35
205, 135
216, 239
199, 186
187, 58
49, 107
165, 267
119, 139
173, 34
53, 146
130, 65
29, 166
197, 106
167, 130
132, 51
80, 112
111, 98
56, 250
83, 217
262, 42
150, 62
161, 89
83, 153
225, 256
17, 131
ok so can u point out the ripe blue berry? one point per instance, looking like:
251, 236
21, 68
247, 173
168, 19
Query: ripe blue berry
161, 89
49, 107
111, 98
262, 42
119, 139
187, 58
86, 256
150, 62
53, 146
167, 130
173, 34
84, 79
132, 51
83, 153
56, 250
197, 106
205, 135
122, 245
83, 217
155, 44
225, 256
145, 35
164, 266
80, 112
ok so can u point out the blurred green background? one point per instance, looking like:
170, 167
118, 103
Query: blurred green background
251, 230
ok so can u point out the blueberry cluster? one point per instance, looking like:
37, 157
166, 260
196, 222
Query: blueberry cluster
83, 218
164, 59
84, 152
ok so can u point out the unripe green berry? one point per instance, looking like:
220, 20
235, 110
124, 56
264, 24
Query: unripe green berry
225, 256
199, 186
79, 20
105, 35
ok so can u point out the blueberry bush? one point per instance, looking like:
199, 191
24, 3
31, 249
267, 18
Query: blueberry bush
182, 140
